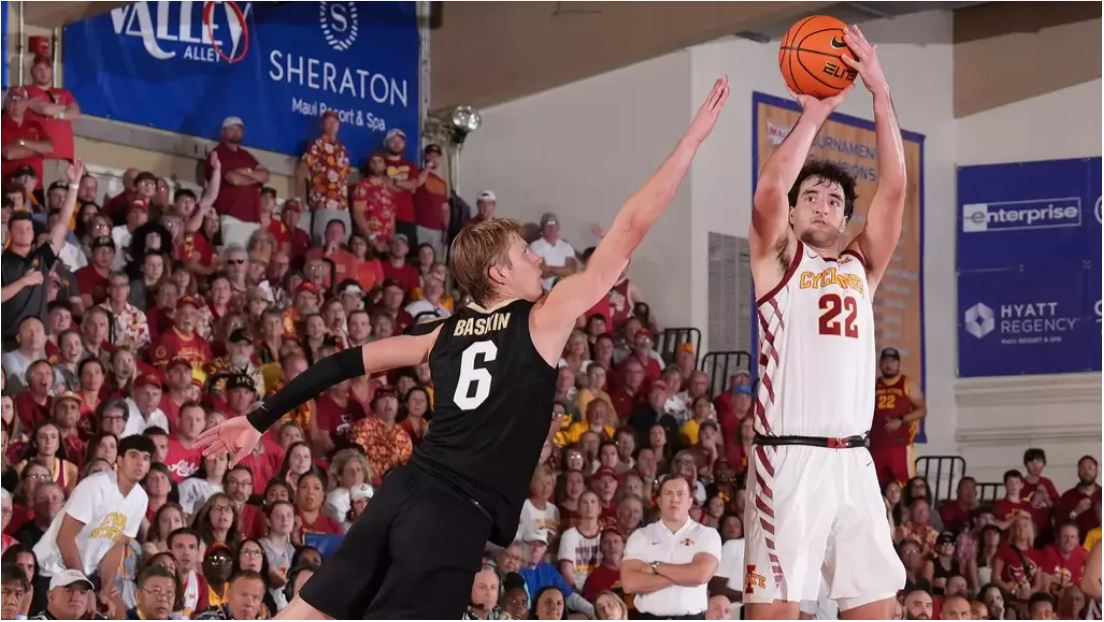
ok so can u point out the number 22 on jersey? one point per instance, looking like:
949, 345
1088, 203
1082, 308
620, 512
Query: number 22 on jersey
465, 397
832, 306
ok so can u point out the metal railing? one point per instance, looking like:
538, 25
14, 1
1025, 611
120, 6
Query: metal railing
990, 492
942, 473
670, 339
720, 365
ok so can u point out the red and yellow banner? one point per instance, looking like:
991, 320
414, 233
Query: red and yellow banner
850, 143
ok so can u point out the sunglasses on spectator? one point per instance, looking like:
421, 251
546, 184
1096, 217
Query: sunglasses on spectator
235, 261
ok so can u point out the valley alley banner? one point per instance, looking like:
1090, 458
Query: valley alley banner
850, 142
184, 66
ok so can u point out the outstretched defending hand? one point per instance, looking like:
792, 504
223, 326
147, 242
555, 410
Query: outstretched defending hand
707, 115
236, 436
863, 58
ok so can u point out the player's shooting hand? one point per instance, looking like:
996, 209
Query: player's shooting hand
820, 109
864, 59
709, 112
236, 436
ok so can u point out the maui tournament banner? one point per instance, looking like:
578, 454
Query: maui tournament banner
185, 66
850, 142
1029, 243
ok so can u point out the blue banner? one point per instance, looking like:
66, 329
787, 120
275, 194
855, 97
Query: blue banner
184, 66
1029, 278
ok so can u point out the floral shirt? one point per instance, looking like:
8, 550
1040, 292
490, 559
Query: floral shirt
377, 203
386, 449
131, 326
327, 162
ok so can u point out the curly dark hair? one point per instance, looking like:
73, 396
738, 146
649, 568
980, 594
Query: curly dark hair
827, 172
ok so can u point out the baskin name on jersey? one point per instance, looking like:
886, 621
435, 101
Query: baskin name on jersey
481, 326
1021, 215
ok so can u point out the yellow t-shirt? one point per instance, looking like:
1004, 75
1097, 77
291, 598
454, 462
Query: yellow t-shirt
689, 432
577, 429
586, 396
1092, 538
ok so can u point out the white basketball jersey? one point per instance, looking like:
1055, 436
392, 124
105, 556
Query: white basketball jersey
816, 349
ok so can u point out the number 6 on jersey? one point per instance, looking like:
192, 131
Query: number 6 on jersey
470, 374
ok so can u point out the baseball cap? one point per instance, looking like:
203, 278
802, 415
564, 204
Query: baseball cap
306, 286
40, 59
743, 388
148, 380
603, 472
68, 577
240, 381
548, 218
487, 195
433, 148
394, 132
239, 335
25, 169
14, 94
69, 395
891, 353
187, 300
536, 535
361, 491
179, 361
228, 121
352, 289
687, 346
401, 236
104, 241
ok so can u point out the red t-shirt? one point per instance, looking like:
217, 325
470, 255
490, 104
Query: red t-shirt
279, 231
601, 579
59, 131
30, 413
368, 273
323, 525
954, 517
602, 308
241, 202
264, 466
428, 199
92, 283
1014, 569
1044, 483
171, 410
399, 169
118, 205
406, 275
344, 263
252, 521
182, 462
1086, 520
623, 403
336, 419
30, 129
1068, 571
173, 343
194, 247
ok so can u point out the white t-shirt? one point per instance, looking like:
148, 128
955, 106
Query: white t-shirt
107, 516
732, 564
655, 542
582, 551
338, 503
425, 306
72, 256
122, 236
533, 519
554, 256
136, 424
194, 492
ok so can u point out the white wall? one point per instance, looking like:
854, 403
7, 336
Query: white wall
999, 417
581, 150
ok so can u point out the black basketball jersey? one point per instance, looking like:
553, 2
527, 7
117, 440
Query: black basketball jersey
493, 396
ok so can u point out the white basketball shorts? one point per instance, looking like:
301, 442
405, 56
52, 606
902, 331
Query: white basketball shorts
816, 513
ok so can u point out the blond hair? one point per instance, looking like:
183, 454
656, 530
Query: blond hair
478, 247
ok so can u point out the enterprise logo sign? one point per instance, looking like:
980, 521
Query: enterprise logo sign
1021, 215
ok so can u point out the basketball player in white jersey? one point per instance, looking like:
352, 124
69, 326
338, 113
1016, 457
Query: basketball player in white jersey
814, 507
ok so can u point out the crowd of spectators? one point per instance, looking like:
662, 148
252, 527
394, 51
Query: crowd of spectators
131, 323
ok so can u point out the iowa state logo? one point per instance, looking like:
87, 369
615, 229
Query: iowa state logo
753, 580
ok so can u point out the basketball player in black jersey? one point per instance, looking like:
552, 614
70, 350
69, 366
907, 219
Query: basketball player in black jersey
493, 363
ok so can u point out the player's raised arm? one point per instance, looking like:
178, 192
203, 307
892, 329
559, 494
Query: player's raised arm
240, 434
575, 294
887, 207
770, 238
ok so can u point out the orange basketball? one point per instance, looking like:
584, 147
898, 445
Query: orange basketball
809, 57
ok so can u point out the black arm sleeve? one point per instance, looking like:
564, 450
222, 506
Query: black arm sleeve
344, 365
